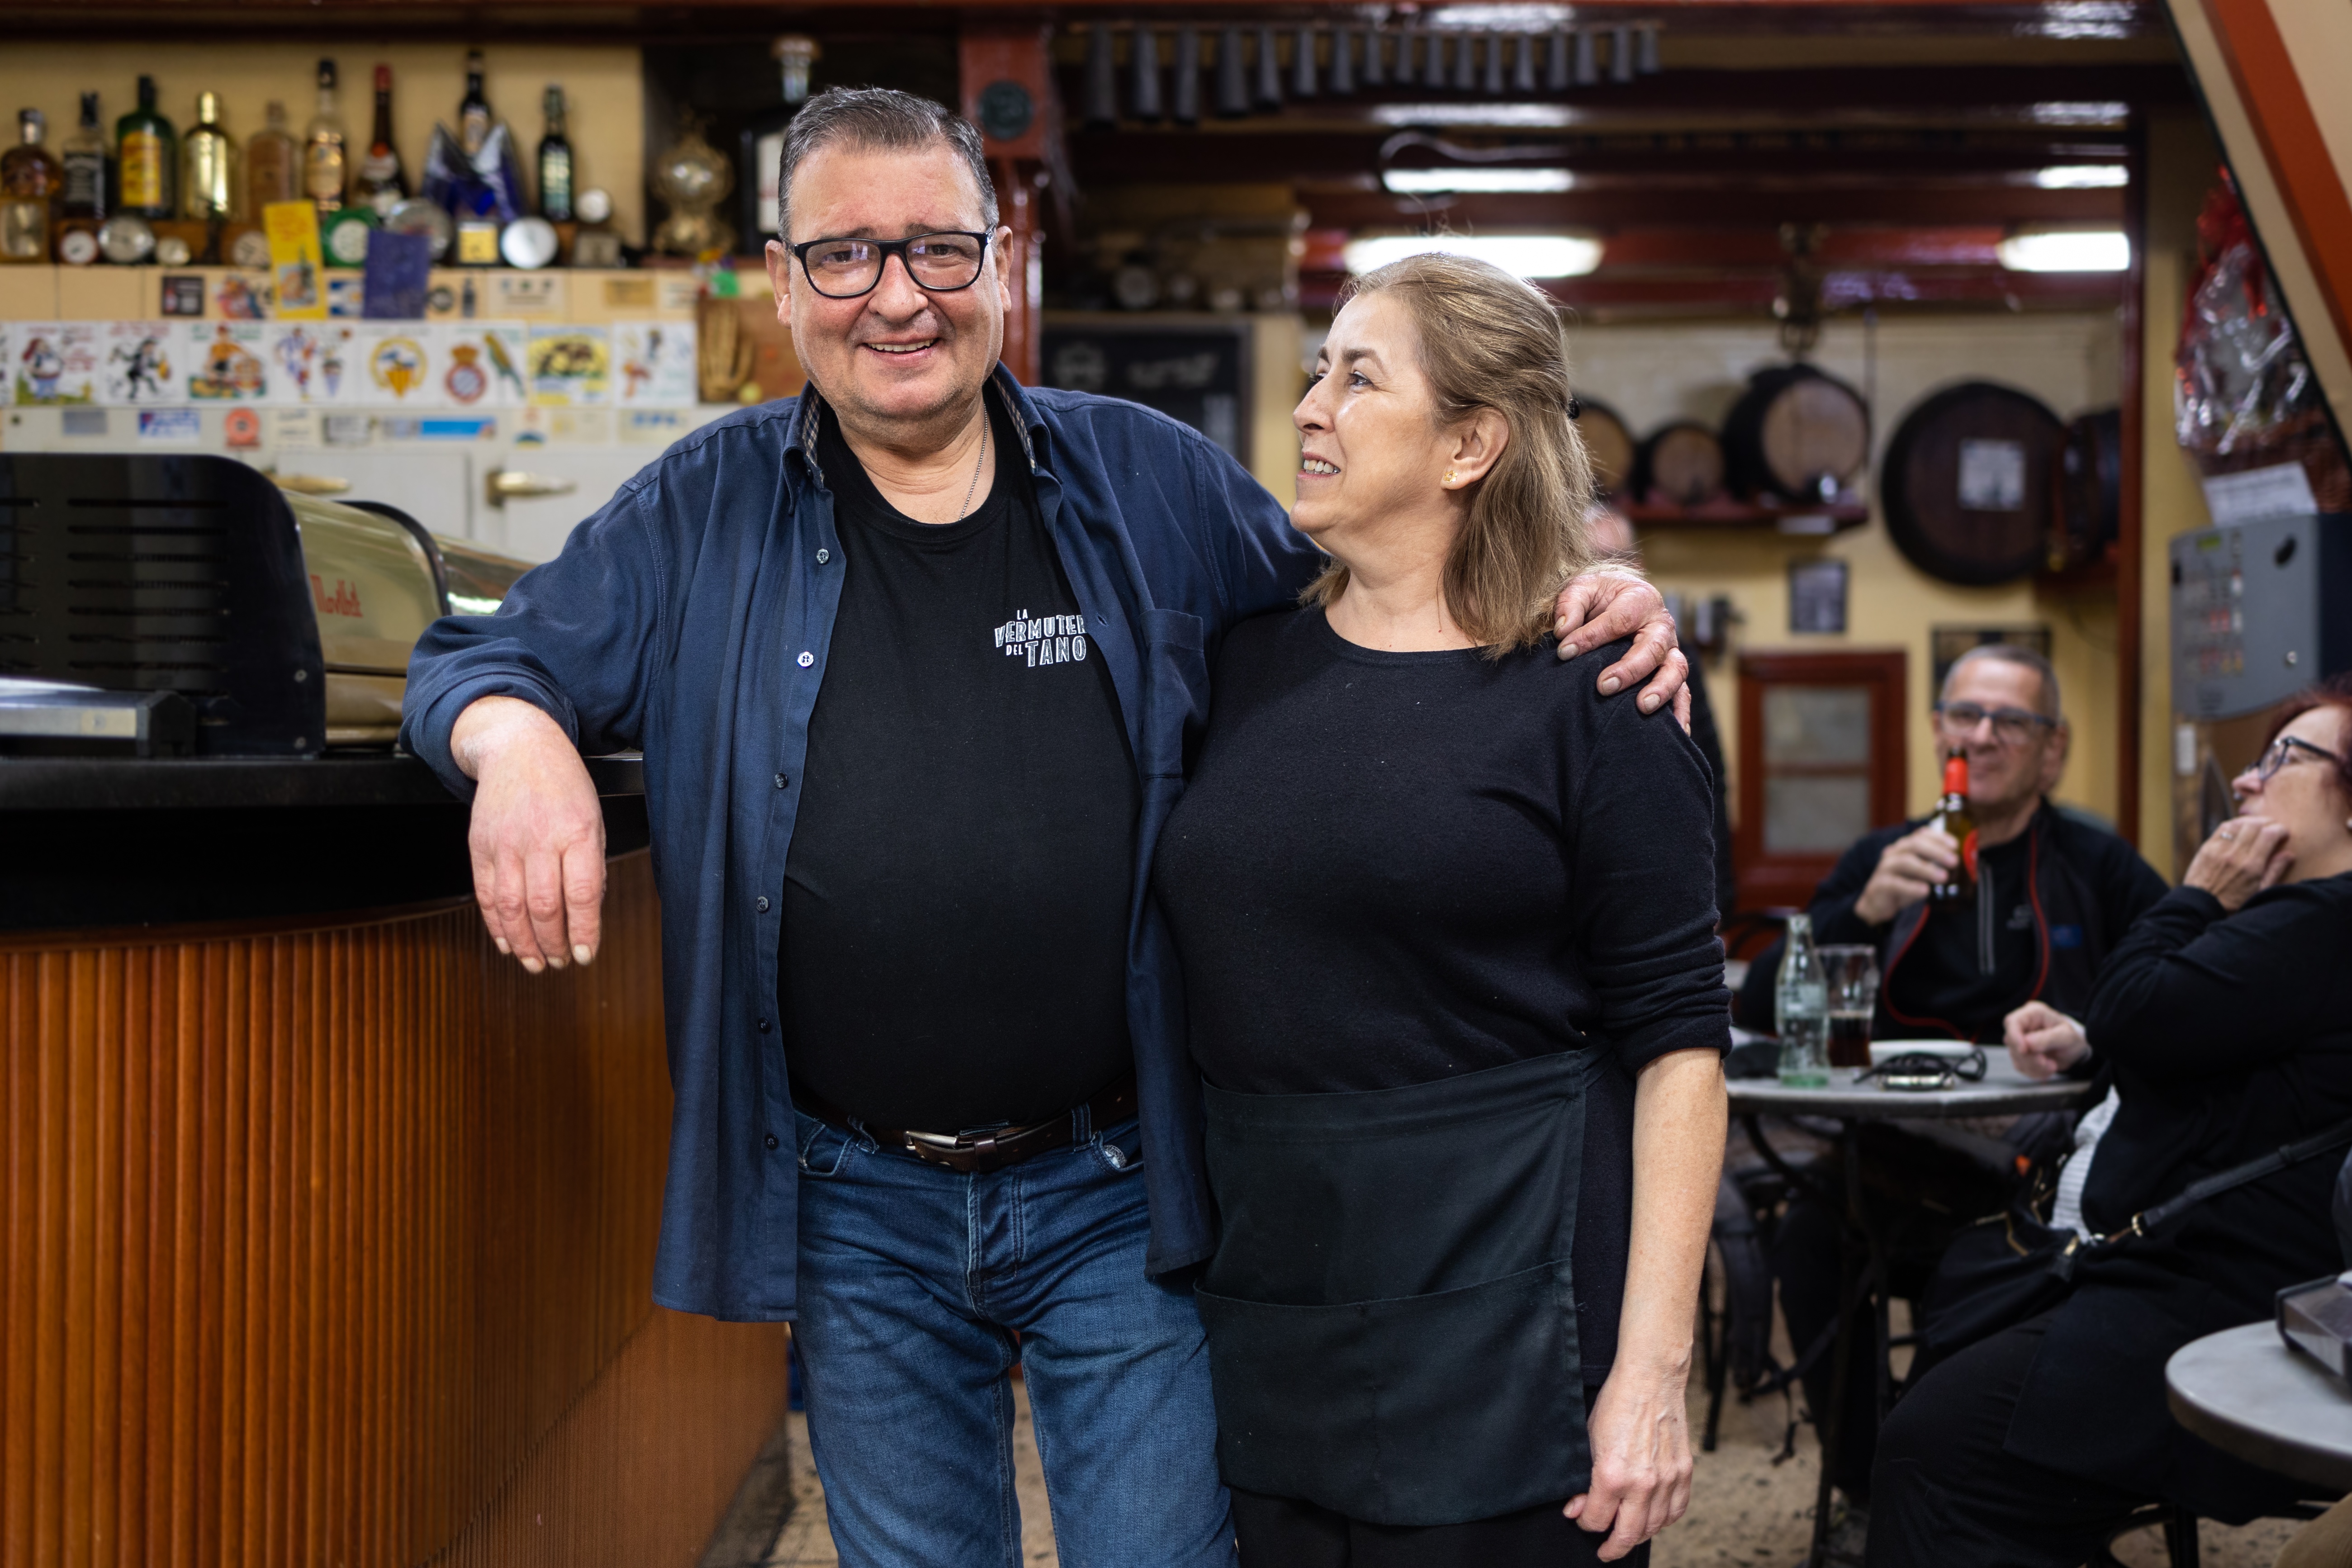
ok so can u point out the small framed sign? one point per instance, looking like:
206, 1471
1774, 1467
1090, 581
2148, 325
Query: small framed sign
1817, 595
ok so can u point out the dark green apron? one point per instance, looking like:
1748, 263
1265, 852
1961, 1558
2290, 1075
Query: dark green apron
1390, 1309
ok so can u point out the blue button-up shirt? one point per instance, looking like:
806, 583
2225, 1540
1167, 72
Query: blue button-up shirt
691, 617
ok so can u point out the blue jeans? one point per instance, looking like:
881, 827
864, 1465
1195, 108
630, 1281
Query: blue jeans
913, 1282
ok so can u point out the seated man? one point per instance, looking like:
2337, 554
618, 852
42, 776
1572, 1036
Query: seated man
2054, 893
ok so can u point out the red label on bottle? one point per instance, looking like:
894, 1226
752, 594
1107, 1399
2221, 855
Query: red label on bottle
1968, 853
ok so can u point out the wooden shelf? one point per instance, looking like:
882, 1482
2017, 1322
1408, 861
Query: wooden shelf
1817, 521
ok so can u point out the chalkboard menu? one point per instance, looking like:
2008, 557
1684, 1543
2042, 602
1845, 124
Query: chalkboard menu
1194, 369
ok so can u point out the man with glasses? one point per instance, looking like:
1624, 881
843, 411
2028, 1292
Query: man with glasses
2054, 893
916, 660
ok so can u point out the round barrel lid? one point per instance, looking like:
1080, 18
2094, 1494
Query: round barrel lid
1610, 444
1967, 483
1682, 465
1796, 433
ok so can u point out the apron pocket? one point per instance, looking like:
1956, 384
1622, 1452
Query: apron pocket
1417, 1410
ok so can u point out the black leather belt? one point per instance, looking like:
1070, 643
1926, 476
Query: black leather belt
973, 1152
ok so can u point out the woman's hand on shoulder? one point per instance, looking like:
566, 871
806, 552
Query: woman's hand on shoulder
1608, 602
2245, 855
1641, 1457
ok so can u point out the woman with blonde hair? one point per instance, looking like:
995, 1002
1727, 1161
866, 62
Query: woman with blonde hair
1447, 924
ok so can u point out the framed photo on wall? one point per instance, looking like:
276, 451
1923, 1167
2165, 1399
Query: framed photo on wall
1817, 595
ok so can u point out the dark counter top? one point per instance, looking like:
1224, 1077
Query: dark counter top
87, 841
350, 779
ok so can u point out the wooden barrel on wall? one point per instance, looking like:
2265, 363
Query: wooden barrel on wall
1609, 443
1796, 434
1966, 484
1681, 465
2090, 489
330, 1241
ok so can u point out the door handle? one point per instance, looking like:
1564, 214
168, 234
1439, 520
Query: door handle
503, 485
312, 484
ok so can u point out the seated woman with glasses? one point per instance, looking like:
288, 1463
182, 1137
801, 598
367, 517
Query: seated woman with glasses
2054, 892
2225, 1015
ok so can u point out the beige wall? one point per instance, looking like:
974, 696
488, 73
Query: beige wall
2181, 164
1654, 372
603, 86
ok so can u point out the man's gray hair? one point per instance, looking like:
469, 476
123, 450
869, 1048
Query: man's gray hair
878, 118
2023, 656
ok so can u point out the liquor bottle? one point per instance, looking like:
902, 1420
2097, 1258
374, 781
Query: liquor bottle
474, 116
326, 162
380, 184
1952, 814
84, 157
209, 186
32, 182
1800, 1010
147, 153
273, 163
555, 162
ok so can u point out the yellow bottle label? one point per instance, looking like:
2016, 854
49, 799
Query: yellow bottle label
142, 170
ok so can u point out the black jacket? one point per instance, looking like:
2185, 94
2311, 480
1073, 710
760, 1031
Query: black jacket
2088, 886
2229, 1037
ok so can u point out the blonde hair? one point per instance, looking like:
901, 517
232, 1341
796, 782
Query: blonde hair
1488, 339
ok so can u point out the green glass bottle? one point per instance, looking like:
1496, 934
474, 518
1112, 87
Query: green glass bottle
147, 154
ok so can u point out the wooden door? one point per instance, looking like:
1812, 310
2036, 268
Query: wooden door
1821, 763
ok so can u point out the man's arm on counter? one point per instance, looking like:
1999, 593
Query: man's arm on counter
502, 706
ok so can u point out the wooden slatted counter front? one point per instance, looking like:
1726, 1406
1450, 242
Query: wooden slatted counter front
327, 1237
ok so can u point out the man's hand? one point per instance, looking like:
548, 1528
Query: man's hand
2245, 855
1906, 869
1641, 1459
1604, 604
537, 834
2042, 1042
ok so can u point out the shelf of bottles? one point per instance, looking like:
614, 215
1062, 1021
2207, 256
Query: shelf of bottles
144, 192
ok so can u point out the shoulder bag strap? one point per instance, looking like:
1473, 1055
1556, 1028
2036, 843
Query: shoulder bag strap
2277, 1160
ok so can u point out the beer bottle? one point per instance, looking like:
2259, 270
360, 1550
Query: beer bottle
1952, 814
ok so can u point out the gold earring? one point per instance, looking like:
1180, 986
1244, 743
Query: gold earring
1449, 476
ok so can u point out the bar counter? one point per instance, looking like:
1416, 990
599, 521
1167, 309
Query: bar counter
329, 1233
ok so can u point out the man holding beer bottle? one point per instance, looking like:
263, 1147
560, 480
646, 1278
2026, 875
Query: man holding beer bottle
1995, 909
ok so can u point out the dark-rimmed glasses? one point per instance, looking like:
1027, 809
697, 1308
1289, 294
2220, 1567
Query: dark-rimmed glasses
2013, 725
845, 269
2275, 755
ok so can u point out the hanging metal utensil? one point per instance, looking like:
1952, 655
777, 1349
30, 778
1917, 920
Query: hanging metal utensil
1523, 67
1269, 71
1343, 61
1143, 74
1232, 76
1620, 55
1186, 105
1588, 56
1556, 62
1302, 63
1102, 80
1376, 58
1432, 61
1646, 61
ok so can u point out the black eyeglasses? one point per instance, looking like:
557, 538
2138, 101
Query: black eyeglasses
2013, 725
845, 269
2274, 756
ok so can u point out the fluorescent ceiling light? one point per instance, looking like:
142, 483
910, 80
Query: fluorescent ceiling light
2067, 250
2081, 177
1502, 116
1500, 182
1524, 254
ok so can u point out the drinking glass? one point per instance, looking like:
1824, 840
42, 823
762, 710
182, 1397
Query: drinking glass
1852, 971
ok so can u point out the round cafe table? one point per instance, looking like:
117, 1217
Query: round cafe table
2244, 1392
2002, 1092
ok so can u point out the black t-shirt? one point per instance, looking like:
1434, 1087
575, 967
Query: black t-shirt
1394, 867
955, 915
